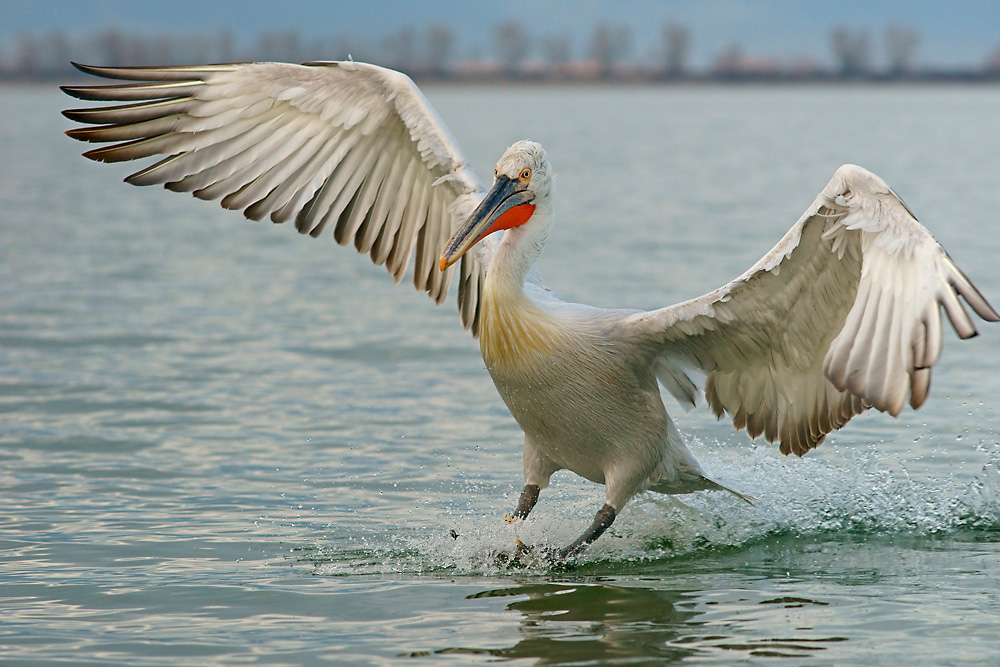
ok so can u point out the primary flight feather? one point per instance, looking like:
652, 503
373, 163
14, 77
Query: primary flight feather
842, 315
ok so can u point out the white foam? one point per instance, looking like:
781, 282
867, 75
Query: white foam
861, 491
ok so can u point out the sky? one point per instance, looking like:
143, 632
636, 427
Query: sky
952, 32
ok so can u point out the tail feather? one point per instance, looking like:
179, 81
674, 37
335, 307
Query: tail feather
716, 486
700, 483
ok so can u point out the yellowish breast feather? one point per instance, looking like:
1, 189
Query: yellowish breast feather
515, 334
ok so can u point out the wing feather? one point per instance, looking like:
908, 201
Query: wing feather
428, 246
413, 221
343, 188
383, 245
130, 113
287, 157
342, 144
248, 157
843, 314
388, 190
352, 225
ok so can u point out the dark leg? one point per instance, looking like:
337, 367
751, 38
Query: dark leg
529, 496
604, 518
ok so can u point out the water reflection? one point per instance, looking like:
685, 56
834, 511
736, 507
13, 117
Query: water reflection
652, 621
586, 621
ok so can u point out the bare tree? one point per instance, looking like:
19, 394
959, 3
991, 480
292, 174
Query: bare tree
113, 48
676, 44
512, 45
163, 49
58, 51
400, 49
557, 49
437, 51
730, 62
342, 46
900, 45
851, 51
283, 46
199, 48
29, 54
609, 43
992, 65
226, 47
45, 55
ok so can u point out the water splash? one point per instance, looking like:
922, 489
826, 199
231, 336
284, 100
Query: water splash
857, 491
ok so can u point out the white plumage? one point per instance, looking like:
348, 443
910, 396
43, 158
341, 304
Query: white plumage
843, 314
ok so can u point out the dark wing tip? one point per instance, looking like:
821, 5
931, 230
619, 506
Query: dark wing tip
132, 73
79, 92
77, 133
111, 72
86, 69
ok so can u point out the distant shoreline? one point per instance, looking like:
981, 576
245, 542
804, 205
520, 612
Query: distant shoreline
645, 79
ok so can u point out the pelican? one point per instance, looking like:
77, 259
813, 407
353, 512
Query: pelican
842, 315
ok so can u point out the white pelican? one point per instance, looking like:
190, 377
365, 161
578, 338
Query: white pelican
843, 314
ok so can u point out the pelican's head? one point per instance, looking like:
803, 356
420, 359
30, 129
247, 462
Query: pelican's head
522, 185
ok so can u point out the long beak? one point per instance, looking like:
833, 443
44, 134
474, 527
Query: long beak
507, 204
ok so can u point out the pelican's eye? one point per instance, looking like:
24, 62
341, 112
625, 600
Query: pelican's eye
525, 175
496, 172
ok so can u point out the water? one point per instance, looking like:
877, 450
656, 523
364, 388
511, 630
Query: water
223, 443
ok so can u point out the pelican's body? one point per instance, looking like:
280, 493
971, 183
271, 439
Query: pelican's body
579, 385
585, 400
590, 403
842, 315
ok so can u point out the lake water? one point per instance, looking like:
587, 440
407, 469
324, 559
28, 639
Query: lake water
224, 443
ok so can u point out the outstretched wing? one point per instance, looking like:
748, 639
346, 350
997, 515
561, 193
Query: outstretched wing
841, 315
331, 145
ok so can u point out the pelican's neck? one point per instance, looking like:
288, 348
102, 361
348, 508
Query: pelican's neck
516, 254
515, 329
